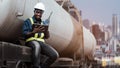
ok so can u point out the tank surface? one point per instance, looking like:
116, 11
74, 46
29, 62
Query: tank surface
65, 31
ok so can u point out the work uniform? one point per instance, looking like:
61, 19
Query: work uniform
38, 45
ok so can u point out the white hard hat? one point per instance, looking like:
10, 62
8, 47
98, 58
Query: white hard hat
39, 6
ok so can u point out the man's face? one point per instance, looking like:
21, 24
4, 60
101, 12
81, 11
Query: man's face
38, 14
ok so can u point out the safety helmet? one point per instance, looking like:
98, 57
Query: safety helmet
39, 6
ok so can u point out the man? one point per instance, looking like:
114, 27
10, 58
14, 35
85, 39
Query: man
35, 38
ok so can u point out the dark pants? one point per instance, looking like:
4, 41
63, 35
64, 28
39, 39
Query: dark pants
45, 49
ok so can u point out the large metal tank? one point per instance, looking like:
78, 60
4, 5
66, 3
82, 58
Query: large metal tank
65, 31
10, 26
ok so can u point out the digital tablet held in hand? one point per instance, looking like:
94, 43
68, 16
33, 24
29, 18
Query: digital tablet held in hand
35, 25
38, 25
45, 27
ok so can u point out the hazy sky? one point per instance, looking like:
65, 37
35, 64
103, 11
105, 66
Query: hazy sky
98, 10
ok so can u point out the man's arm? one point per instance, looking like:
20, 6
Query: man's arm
26, 29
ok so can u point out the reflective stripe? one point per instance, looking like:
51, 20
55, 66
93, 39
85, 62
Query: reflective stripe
32, 38
31, 20
42, 35
36, 36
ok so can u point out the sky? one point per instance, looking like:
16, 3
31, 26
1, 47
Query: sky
100, 11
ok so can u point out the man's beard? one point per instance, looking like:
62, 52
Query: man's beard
38, 19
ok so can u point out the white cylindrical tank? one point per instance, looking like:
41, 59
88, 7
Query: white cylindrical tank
10, 26
5, 8
65, 32
89, 44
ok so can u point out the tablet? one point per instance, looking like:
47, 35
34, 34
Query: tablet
46, 27
37, 25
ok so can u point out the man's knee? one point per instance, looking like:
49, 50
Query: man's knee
35, 44
54, 56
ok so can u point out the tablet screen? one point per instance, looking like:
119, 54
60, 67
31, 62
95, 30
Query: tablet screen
37, 25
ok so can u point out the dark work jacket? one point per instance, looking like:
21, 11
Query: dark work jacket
27, 27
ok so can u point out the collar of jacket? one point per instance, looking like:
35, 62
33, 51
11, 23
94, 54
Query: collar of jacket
35, 21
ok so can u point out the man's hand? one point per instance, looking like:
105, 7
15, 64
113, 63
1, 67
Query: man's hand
38, 29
